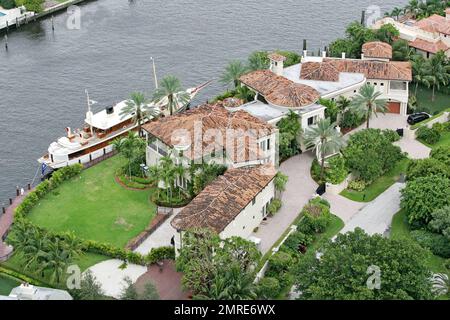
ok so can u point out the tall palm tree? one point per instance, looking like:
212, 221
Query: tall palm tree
55, 260
233, 71
396, 13
440, 284
171, 93
367, 102
138, 107
419, 71
412, 7
437, 73
325, 139
342, 104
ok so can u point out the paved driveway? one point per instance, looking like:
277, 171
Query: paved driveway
299, 189
342, 207
376, 216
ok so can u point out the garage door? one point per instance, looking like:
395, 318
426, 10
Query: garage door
394, 107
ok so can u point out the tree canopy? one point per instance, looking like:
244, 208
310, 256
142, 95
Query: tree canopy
350, 264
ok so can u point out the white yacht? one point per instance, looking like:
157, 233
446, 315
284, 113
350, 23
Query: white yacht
94, 139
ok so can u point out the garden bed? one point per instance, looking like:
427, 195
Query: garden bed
380, 185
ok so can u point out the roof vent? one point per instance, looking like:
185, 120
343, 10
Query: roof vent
110, 110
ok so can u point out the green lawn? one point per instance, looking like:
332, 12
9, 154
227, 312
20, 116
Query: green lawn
95, 207
400, 230
378, 186
424, 102
7, 284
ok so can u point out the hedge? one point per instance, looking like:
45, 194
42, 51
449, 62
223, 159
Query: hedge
21, 277
45, 187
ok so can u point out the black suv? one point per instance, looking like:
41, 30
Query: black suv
418, 117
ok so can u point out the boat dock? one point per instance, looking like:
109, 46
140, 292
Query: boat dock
17, 17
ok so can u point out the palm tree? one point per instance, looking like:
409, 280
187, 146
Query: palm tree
171, 94
280, 182
132, 147
342, 104
440, 284
396, 13
258, 61
325, 139
419, 71
137, 107
233, 71
367, 102
55, 259
167, 174
437, 73
412, 7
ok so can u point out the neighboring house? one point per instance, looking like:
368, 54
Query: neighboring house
299, 87
29, 292
391, 78
232, 205
428, 36
211, 134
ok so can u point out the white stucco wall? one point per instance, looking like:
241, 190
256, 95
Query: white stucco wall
251, 217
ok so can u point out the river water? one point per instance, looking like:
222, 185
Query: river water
44, 73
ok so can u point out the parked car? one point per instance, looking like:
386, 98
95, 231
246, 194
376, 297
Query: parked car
418, 117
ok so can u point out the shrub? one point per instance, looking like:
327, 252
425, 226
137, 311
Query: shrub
447, 264
438, 244
296, 239
268, 288
7, 4
440, 221
357, 185
391, 135
428, 135
278, 263
439, 127
427, 167
442, 154
337, 170
316, 218
274, 206
159, 254
370, 154
424, 195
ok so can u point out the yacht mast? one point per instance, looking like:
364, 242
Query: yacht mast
89, 112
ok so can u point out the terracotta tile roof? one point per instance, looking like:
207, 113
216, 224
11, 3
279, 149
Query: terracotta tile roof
198, 126
434, 23
224, 199
276, 57
377, 49
280, 91
317, 70
392, 70
427, 46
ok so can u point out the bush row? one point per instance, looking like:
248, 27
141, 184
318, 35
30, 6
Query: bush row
21, 277
45, 187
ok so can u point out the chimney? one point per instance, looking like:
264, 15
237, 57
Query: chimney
362, 56
305, 53
324, 54
277, 63
343, 55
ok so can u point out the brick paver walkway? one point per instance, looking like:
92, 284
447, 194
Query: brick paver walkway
5, 223
167, 281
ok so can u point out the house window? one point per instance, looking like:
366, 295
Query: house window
375, 84
310, 121
398, 85
268, 144
253, 201
382, 84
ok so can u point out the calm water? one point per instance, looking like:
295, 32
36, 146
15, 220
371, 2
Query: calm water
44, 73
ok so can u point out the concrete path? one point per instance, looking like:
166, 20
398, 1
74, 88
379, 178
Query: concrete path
160, 238
376, 216
413, 148
111, 277
342, 207
299, 190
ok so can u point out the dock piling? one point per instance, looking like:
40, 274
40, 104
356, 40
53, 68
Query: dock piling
6, 42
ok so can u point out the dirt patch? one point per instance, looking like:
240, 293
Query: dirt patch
123, 223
